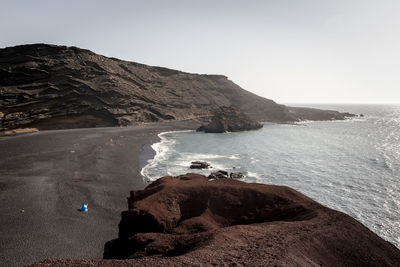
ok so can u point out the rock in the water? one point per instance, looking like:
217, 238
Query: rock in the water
236, 175
218, 175
199, 165
229, 222
230, 119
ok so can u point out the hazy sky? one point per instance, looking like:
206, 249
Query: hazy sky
290, 51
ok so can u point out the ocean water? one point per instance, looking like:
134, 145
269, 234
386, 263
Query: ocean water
352, 166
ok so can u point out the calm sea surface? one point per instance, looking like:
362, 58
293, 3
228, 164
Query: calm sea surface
352, 166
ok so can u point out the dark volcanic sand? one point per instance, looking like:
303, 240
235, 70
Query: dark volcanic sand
46, 176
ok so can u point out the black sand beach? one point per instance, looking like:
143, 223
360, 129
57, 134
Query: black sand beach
46, 176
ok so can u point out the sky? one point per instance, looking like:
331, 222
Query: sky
291, 51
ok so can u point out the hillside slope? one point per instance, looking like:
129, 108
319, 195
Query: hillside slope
51, 87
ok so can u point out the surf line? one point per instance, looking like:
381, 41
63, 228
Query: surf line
161, 148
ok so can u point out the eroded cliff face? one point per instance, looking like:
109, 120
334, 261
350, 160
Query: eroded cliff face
50, 87
229, 222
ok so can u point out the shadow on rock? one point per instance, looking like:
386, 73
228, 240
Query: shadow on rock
175, 215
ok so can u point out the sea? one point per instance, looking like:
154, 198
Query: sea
352, 166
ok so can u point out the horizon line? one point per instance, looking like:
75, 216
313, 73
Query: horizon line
341, 103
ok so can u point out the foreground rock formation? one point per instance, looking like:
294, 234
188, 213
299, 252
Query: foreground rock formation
190, 220
230, 119
50, 87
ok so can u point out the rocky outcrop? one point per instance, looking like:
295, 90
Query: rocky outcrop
236, 175
50, 87
199, 165
230, 119
313, 114
218, 175
189, 220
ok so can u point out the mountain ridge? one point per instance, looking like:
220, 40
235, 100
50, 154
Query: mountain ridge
53, 87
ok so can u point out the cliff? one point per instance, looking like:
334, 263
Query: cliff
189, 220
49, 87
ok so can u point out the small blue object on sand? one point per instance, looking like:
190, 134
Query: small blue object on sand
84, 208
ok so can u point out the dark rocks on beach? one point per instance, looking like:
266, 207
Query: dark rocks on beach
199, 165
189, 220
236, 175
218, 175
230, 119
51, 87
224, 174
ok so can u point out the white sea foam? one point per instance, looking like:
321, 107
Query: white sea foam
253, 175
303, 122
161, 148
203, 156
347, 119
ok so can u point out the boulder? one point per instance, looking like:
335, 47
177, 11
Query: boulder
199, 165
236, 175
218, 175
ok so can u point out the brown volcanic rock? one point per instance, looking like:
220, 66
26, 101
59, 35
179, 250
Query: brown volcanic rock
190, 220
49, 87
230, 119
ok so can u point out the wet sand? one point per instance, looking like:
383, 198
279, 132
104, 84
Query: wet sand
46, 176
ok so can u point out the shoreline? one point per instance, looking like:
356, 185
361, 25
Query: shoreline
47, 175
156, 152
175, 165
